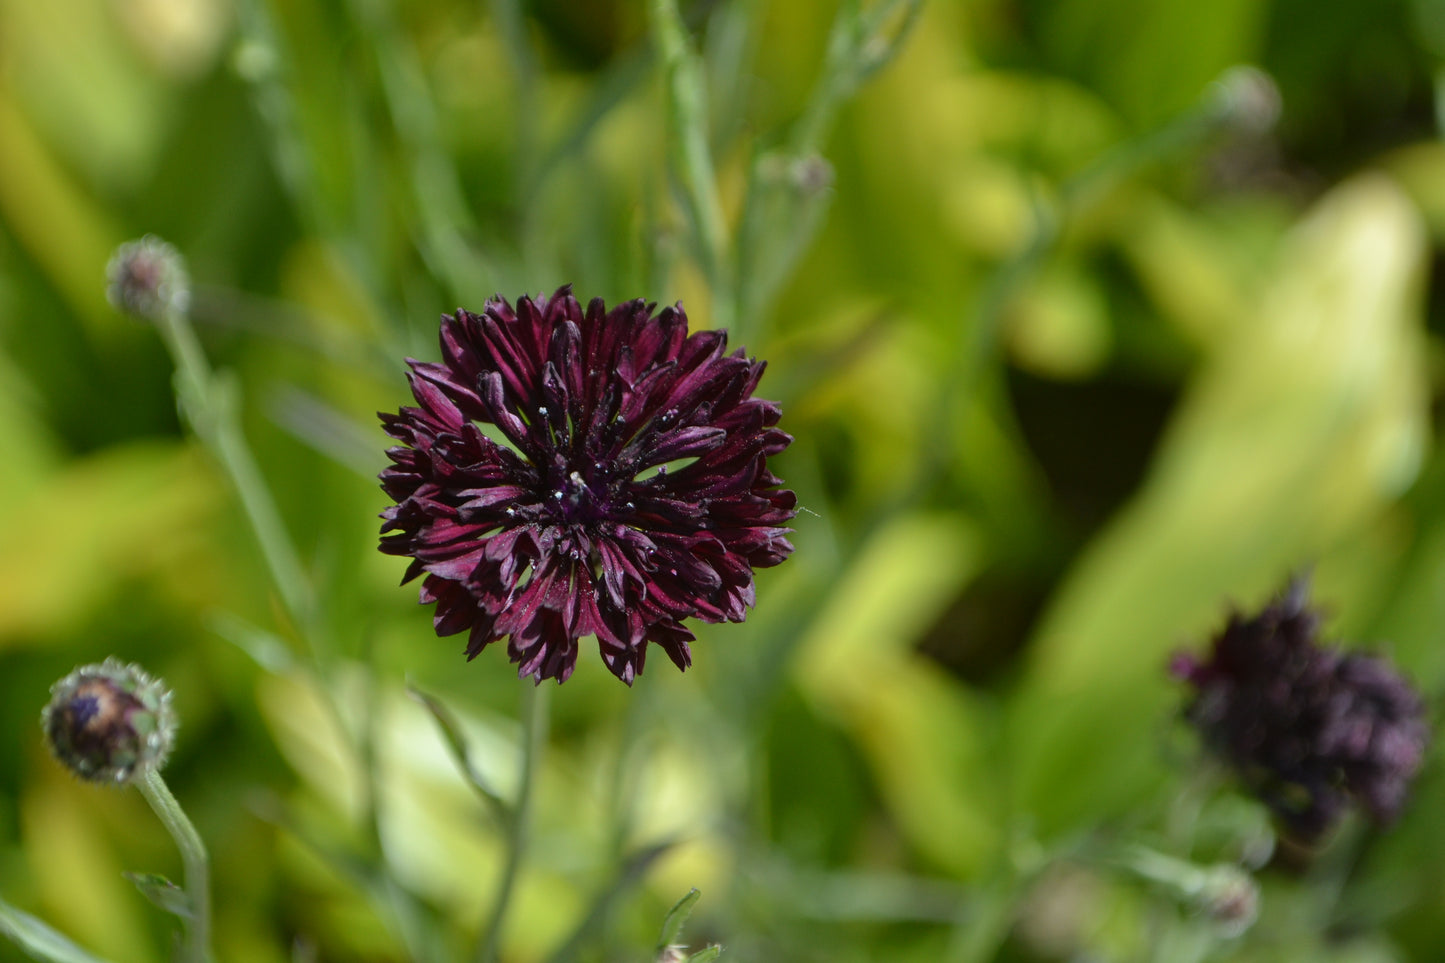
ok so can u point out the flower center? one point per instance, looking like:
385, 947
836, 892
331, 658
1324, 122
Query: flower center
574, 501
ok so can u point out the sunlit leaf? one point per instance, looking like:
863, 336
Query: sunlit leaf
922, 733
39, 941
103, 518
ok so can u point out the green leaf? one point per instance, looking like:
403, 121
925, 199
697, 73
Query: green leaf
457, 743
265, 648
924, 736
163, 893
677, 918
705, 955
38, 940
101, 520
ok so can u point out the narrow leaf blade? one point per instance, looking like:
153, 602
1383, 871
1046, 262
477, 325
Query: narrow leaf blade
163, 893
456, 741
38, 940
677, 918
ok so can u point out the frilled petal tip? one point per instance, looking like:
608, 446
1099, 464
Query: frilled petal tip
568, 473
1310, 730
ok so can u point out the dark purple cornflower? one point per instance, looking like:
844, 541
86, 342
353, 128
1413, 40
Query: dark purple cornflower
1307, 729
620, 485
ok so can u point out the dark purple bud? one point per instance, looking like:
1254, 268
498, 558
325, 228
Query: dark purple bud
109, 722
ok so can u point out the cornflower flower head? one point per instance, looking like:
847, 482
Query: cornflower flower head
568, 473
1308, 729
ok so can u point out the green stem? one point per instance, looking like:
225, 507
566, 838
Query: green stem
979, 343
534, 738
1439, 83
443, 214
692, 159
1176, 875
405, 917
978, 937
861, 43
193, 858
517, 48
211, 410
787, 193
209, 404
632, 869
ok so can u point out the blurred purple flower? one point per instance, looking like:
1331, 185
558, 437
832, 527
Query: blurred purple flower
147, 277
620, 488
1307, 729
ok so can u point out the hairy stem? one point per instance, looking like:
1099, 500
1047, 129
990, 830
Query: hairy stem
193, 859
209, 405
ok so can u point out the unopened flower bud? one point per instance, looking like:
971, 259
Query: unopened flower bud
1247, 97
812, 174
1224, 892
109, 722
147, 278
1230, 897
672, 954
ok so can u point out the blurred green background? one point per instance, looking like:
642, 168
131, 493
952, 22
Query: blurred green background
1082, 336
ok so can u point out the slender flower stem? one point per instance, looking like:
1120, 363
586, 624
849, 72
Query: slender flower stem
862, 41
534, 738
1213, 113
209, 405
1439, 85
193, 858
982, 931
1176, 874
981, 338
692, 158
517, 49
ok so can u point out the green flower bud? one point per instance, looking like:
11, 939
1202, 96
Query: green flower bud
1230, 897
1224, 892
1247, 97
146, 278
109, 722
